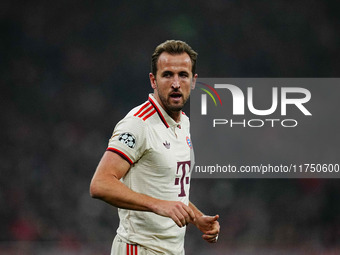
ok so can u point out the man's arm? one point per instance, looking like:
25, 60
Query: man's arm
106, 185
207, 224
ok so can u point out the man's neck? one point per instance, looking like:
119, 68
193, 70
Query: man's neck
176, 116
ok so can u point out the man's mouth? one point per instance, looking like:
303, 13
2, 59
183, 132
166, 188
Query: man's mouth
176, 95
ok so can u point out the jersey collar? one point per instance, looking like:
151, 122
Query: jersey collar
165, 118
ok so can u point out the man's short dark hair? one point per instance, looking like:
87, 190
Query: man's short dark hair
173, 47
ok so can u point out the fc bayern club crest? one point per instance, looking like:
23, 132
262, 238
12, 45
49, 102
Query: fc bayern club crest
189, 142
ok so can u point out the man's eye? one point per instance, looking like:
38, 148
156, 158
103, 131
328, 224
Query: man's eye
166, 75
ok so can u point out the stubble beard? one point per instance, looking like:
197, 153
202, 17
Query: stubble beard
171, 107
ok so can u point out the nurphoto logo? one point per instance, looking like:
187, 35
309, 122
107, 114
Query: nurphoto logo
204, 97
294, 97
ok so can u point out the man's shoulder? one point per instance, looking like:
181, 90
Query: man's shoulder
141, 113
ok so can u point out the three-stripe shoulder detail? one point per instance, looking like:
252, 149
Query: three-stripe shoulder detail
145, 111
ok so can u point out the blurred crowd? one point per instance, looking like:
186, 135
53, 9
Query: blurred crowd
71, 69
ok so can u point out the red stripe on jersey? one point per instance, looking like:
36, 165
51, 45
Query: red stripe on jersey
129, 249
145, 111
150, 114
142, 108
159, 112
120, 153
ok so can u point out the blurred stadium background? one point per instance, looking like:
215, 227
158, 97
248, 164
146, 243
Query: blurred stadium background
71, 69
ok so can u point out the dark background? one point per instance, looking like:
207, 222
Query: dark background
71, 69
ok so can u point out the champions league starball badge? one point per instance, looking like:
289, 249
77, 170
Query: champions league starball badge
128, 139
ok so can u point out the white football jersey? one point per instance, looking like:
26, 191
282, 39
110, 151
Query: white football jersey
161, 157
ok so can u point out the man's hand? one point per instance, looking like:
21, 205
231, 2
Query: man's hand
209, 226
180, 213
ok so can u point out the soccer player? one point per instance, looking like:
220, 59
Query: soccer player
146, 169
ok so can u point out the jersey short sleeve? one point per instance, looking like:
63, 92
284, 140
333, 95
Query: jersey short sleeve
128, 139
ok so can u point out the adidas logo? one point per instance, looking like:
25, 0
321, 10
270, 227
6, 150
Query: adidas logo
166, 145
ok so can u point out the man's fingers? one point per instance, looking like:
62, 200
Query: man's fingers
177, 221
182, 215
211, 219
216, 217
206, 236
190, 213
210, 238
212, 232
212, 227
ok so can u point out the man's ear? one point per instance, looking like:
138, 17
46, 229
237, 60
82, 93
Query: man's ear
193, 84
152, 80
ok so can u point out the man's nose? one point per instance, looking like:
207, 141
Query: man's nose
176, 83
